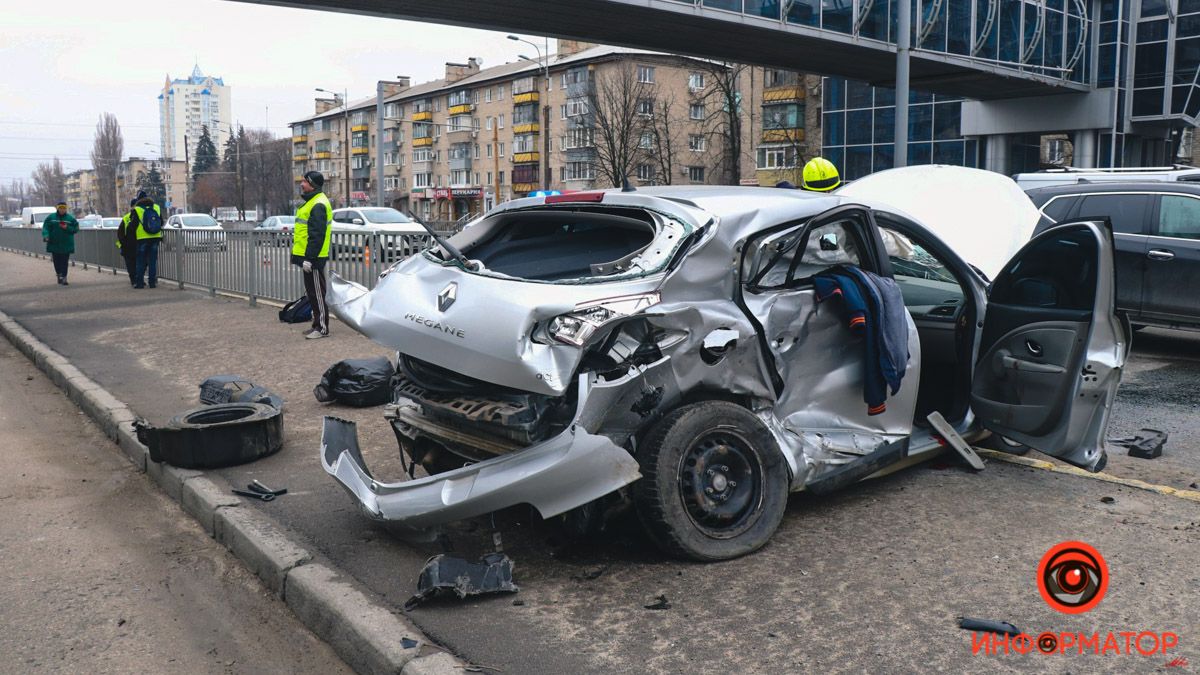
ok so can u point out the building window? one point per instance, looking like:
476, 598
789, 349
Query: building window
319, 125
423, 155
501, 177
696, 111
524, 143
489, 151
696, 174
579, 171
524, 85
501, 121
500, 96
783, 116
780, 78
646, 142
696, 142
695, 81
645, 172
563, 109
645, 74
525, 114
422, 180
487, 94
460, 178
501, 149
778, 157
576, 107
645, 107
584, 137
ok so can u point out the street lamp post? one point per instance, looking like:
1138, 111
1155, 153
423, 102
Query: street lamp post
346, 134
543, 61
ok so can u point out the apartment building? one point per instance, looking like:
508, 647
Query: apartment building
174, 176
82, 192
186, 106
454, 146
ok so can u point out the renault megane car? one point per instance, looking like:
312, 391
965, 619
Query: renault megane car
667, 346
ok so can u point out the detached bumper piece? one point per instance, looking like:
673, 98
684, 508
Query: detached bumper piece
554, 476
443, 575
215, 435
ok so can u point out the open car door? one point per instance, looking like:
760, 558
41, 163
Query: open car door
1052, 349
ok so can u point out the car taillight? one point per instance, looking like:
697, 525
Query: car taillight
575, 327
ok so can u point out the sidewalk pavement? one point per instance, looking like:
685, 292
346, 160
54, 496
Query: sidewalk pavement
150, 349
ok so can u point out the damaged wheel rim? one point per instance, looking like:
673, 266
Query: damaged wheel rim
721, 483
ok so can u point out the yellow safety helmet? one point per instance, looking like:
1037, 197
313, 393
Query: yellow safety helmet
820, 175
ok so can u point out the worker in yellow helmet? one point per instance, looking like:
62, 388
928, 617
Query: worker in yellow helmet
820, 175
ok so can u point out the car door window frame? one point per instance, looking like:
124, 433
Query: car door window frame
1156, 219
1079, 213
864, 231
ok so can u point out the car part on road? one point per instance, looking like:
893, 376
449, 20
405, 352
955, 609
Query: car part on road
1146, 444
235, 389
261, 496
660, 602
360, 383
988, 625
955, 441
444, 574
215, 436
261, 489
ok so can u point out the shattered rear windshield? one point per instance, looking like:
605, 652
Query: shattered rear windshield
559, 245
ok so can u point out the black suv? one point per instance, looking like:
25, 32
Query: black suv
1157, 230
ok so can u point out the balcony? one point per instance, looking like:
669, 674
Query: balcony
531, 128
359, 174
782, 135
359, 151
359, 127
422, 142
322, 155
525, 157
460, 163
303, 138
422, 116
524, 188
527, 97
791, 92
461, 109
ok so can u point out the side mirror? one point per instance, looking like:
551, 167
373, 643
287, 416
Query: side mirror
829, 242
357, 221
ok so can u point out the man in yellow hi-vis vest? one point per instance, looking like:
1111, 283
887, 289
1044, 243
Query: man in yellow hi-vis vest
149, 235
310, 248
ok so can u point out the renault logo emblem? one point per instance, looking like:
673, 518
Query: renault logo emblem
447, 297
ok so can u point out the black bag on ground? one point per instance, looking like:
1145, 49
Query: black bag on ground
357, 382
296, 311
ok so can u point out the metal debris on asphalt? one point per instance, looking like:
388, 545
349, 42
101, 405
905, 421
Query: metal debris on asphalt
408, 643
1145, 444
661, 603
444, 574
988, 625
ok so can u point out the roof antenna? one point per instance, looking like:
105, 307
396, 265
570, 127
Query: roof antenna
625, 185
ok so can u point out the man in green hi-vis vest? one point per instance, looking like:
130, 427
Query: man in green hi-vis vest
310, 248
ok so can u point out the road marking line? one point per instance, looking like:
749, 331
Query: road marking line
1190, 495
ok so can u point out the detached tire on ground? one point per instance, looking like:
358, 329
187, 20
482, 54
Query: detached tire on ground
214, 436
714, 484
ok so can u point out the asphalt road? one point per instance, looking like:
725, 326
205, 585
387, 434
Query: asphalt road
100, 572
871, 578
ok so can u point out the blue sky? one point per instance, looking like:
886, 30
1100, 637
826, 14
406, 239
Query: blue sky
65, 63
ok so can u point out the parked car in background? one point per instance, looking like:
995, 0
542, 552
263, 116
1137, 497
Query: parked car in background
199, 231
397, 235
667, 347
111, 223
1156, 226
91, 221
1070, 176
33, 216
276, 230
15, 221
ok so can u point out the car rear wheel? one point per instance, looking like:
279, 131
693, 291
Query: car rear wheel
714, 483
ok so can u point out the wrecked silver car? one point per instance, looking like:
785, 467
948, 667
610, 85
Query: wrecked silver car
667, 345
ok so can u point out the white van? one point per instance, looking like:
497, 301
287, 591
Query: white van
1069, 175
33, 216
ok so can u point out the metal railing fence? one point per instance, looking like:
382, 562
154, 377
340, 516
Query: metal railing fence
242, 262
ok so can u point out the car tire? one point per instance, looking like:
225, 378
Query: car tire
714, 483
214, 436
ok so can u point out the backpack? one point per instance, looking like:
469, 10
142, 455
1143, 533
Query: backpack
151, 220
296, 311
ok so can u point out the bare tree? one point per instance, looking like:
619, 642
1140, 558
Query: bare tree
107, 148
48, 182
665, 136
619, 126
723, 116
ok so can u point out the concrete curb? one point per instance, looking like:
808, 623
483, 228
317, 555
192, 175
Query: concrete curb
363, 632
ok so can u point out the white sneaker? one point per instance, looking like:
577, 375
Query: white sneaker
315, 334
